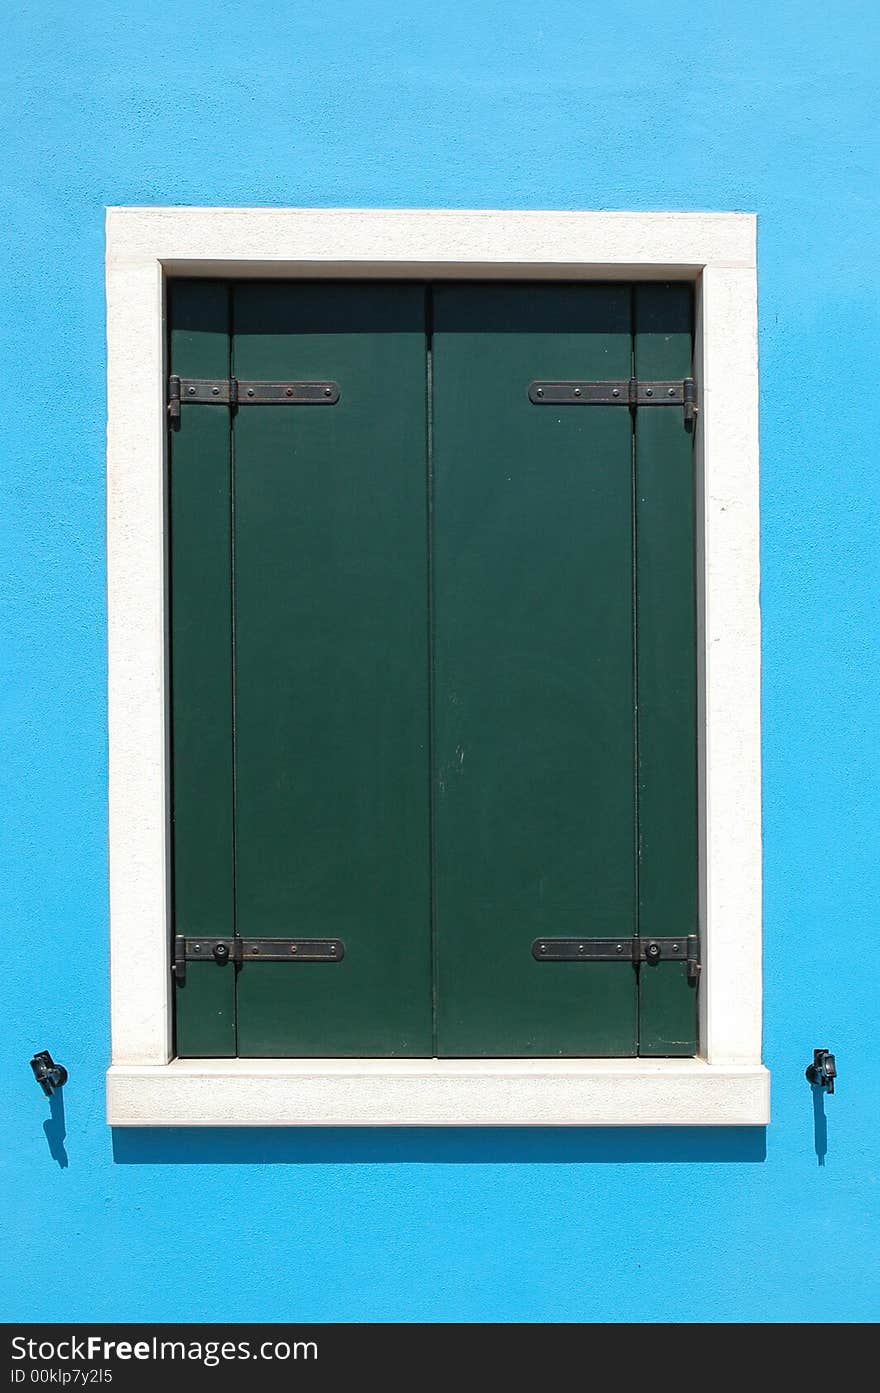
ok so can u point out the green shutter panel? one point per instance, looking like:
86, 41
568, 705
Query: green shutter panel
667, 672
331, 670
201, 667
534, 733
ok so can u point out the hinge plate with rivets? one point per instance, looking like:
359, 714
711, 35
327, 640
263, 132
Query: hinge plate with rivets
635, 950
240, 950
624, 392
230, 391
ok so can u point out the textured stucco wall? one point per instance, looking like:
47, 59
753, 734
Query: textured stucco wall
704, 105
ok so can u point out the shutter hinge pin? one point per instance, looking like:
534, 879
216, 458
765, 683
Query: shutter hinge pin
690, 403
174, 399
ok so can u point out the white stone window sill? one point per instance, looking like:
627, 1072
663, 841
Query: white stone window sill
437, 1093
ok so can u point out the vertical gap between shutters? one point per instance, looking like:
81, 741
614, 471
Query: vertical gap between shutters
432, 851
231, 374
637, 828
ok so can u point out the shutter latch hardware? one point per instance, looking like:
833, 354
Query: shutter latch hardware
625, 392
240, 950
624, 949
50, 1075
229, 391
823, 1070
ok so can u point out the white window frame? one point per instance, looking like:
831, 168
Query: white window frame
726, 1084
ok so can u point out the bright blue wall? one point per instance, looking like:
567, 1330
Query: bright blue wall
698, 105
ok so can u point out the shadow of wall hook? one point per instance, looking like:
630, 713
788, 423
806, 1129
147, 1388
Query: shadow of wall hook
823, 1070
47, 1073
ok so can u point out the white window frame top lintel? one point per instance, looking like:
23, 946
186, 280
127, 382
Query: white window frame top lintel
727, 1084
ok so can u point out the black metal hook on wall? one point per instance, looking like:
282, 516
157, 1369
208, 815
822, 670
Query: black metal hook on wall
47, 1073
823, 1070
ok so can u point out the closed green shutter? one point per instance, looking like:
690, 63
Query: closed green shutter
533, 625
331, 670
667, 671
201, 667
433, 670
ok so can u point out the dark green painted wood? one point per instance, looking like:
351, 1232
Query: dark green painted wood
667, 678
533, 649
201, 667
331, 641
533, 771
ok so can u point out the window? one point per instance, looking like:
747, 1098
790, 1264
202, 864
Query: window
437, 700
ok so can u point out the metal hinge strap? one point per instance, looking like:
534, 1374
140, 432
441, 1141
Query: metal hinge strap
634, 950
239, 950
230, 391
622, 392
